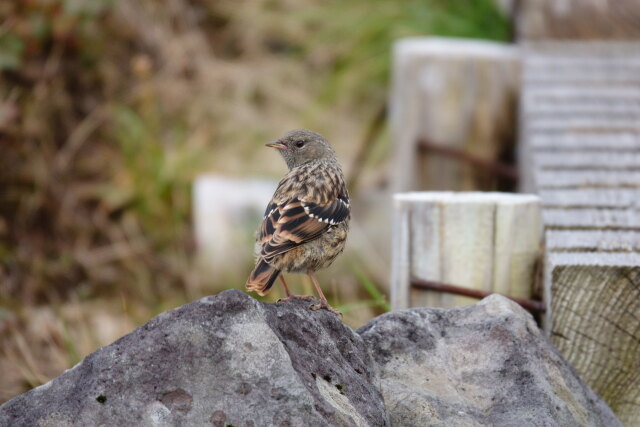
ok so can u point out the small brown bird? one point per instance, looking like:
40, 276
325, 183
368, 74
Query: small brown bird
306, 222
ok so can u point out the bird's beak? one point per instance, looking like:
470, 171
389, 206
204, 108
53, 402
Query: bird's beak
277, 144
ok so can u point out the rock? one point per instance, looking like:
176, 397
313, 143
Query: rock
222, 360
229, 360
486, 364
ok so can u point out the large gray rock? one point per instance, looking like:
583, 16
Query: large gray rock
231, 360
483, 365
222, 360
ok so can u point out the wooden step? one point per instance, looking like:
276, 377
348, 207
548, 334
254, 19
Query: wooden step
613, 141
563, 160
592, 240
588, 178
590, 198
589, 218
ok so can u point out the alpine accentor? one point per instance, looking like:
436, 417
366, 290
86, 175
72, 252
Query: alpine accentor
306, 222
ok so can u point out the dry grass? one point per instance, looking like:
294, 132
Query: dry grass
109, 108
38, 343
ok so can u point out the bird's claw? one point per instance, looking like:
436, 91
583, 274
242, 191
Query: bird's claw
294, 297
324, 305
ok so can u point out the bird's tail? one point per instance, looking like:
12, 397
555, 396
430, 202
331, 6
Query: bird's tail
262, 277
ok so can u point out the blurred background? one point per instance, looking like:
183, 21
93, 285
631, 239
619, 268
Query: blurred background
110, 109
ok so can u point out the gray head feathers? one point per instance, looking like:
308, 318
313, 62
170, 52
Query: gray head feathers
302, 146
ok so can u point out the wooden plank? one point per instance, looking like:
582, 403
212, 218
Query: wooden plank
508, 7
578, 19
517, 245
484, 241
612, 141
591, 218
582, 124
616, 76
580, 116
627, 118
588, 81
592, 240
588, 178
571, 50
426, 256
590, 197
590, 59
400, 254
607, 70
579, 93
587, 109
442, 89
467, 259
588, 160
595, 301
599, 68
601, 115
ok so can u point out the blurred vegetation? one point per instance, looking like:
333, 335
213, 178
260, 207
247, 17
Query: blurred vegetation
109, 108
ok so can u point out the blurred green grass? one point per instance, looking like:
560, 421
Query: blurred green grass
109, 109
362, 34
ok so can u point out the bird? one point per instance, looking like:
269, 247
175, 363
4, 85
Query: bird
305, 225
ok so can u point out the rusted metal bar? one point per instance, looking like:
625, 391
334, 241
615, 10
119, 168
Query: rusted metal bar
494, 168
529, 304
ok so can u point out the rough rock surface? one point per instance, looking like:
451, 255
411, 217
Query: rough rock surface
222, 360
229, 360
486, 364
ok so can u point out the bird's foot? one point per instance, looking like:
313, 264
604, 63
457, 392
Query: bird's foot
294, 297
323, 304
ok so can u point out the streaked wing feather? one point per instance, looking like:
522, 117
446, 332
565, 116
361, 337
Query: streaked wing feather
333, 213
295, 222
268, 227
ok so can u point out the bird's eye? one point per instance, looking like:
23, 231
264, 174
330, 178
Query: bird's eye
300, 144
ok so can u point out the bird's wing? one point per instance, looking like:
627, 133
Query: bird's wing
296, 221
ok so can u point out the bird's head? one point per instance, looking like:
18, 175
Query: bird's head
303, 146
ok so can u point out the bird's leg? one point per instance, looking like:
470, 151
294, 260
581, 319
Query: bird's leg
290, 296
323, 301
